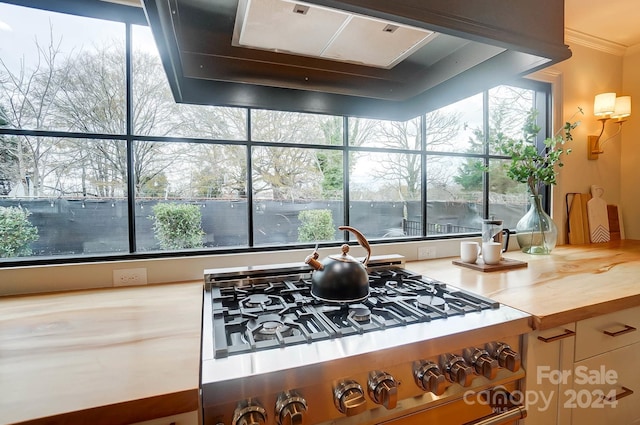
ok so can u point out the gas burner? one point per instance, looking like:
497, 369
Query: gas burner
385, 278
275, 311
360, 313
268, 326
393, 288
257, 300
426, 301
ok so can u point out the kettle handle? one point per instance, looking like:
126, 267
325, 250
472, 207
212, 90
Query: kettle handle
361, 240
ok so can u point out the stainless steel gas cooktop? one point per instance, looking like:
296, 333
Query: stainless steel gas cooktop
280, 312
273, 354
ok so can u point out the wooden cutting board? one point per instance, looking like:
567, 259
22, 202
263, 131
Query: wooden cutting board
578, 219
578, 222
616, 230
598, 216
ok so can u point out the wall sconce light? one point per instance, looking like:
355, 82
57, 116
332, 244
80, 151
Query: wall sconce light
607, 106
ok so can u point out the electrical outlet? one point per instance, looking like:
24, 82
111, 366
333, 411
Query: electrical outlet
426, 252
127, 277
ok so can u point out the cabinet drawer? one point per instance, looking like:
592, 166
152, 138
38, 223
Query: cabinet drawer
613, 374
608, 332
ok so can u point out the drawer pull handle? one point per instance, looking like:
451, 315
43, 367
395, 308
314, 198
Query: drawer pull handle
567, 333
513, 414
500, 399
626, 330
625, 392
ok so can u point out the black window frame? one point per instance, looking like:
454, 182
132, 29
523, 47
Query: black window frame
130, 15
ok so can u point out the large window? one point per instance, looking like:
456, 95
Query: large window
98, 161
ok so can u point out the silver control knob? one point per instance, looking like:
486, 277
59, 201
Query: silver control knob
249, 412
291, 409
383, 389
429, 377
481, 362
349, 398
505, 355
456, 369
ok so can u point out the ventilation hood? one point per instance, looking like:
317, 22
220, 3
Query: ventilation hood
366, 58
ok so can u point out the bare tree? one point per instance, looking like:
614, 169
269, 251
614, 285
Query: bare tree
8, 159
403, 171
218, 170
28, 97
285, 172
330, 162
93, 100
288, 173
209, 122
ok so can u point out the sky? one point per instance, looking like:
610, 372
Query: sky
20, 27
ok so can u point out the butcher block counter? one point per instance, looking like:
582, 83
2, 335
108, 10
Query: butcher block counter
110, 356
572, 283
119, 356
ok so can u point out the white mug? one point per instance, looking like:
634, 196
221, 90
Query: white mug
491, 252
469, 251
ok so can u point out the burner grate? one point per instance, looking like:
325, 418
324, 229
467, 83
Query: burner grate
253, 316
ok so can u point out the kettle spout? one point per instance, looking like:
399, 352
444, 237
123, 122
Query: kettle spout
312, 260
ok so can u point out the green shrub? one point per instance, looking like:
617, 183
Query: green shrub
178, 226
315, 225
16, 232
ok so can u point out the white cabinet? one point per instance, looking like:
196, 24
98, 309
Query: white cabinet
545, 354
606, 375
189, 418
585, 372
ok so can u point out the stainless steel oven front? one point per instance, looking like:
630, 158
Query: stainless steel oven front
273, 355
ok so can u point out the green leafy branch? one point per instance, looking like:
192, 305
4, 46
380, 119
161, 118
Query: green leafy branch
531, 166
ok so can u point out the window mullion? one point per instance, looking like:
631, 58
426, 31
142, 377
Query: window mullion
423, 165
486, 136
345, 169
131, 184
250, 209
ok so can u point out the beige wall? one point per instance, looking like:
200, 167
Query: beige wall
630, 157
588, 72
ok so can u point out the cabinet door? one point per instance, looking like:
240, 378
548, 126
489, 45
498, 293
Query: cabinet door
614, 373
547, 355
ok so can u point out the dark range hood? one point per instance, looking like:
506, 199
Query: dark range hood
454, 49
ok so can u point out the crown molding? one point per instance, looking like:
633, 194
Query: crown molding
586, 40
632, 50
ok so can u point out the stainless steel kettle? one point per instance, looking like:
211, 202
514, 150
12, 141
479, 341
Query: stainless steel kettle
340, 277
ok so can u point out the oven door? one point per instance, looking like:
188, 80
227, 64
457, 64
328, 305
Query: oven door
494, 406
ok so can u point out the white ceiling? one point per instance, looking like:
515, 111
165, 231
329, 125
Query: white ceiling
616, 21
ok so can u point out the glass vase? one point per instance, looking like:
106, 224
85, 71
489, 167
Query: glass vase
536, 232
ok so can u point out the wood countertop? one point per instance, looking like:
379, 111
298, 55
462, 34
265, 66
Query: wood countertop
574, 282
108, 356
116, 356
